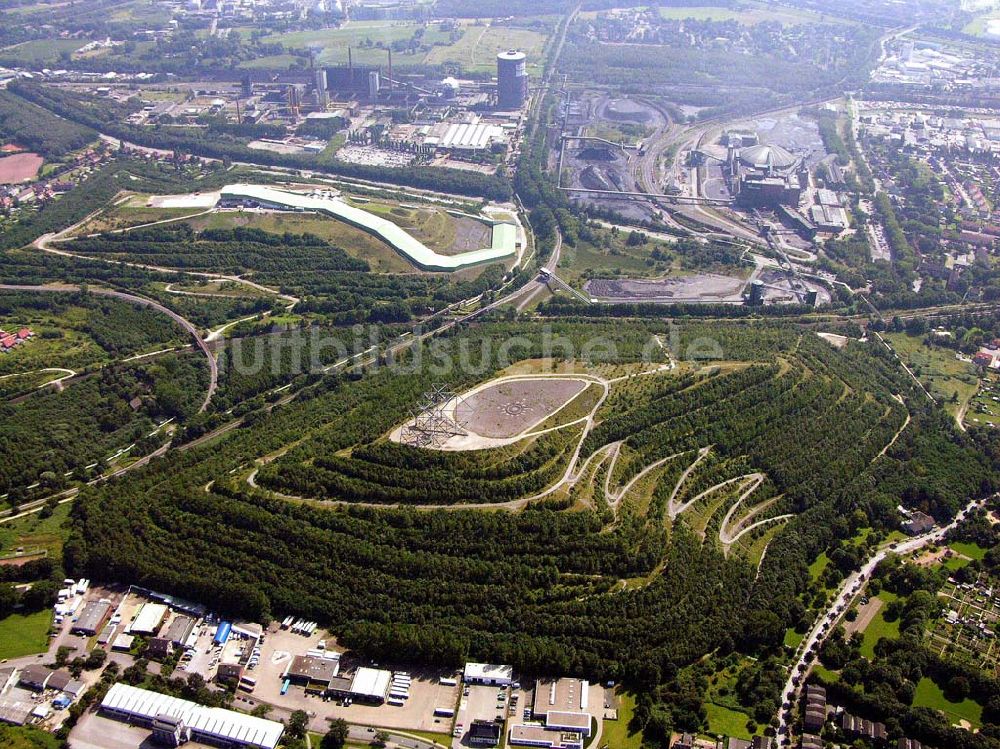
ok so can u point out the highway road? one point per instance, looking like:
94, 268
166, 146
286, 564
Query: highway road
849, 588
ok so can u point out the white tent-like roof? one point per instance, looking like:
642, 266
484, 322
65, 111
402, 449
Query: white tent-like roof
371, 683
767, 157
204, 722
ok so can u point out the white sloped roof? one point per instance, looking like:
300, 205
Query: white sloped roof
225, 724
386, 230
371, 682
149, 618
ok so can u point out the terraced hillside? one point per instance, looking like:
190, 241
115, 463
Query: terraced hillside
583, 547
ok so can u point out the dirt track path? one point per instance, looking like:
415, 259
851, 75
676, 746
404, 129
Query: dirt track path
143, 301
672, 510
568, 480
906, 423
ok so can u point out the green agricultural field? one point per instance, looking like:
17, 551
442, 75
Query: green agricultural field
141, 12
930, 695
41, 51
471, 46
879, 627
369, 42
749, 14
478, 46
24, 634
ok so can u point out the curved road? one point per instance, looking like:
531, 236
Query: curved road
99, 291
806, 653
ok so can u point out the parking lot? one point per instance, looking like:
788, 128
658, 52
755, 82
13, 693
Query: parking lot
488, 703
94, 731
426, 692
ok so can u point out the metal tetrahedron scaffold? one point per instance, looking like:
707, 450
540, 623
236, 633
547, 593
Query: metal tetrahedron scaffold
435, 420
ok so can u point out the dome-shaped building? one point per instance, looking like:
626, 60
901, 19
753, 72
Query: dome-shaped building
768, 158
765, 175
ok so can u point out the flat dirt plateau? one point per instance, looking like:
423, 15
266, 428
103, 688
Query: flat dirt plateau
508, 408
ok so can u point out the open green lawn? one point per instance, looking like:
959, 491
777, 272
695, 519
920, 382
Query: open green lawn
477, 49
726, 722
955, 563
24, 634
817, 568
616, 733
825, 674
879, 627
46, 51
749, 14
929, 694
967, 549
980, 25
938, 369
36, 532
792, 638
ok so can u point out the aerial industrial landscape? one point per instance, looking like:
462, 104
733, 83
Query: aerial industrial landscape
436, 374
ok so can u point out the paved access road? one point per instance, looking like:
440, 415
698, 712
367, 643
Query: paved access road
825, 624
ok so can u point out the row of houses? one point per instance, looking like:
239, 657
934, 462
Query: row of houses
688, 741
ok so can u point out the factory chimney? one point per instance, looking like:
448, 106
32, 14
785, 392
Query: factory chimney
390, 71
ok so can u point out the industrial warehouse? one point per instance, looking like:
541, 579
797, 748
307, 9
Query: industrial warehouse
175, 721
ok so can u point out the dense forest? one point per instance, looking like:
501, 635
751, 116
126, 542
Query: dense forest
50, 434
374, 574
38, 129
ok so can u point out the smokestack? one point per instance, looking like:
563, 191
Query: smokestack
239, 117
350, 67
390, 70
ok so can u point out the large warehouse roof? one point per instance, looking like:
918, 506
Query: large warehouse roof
371, 682
149, 618
488, 672
236, 728
92, 617
399, 239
